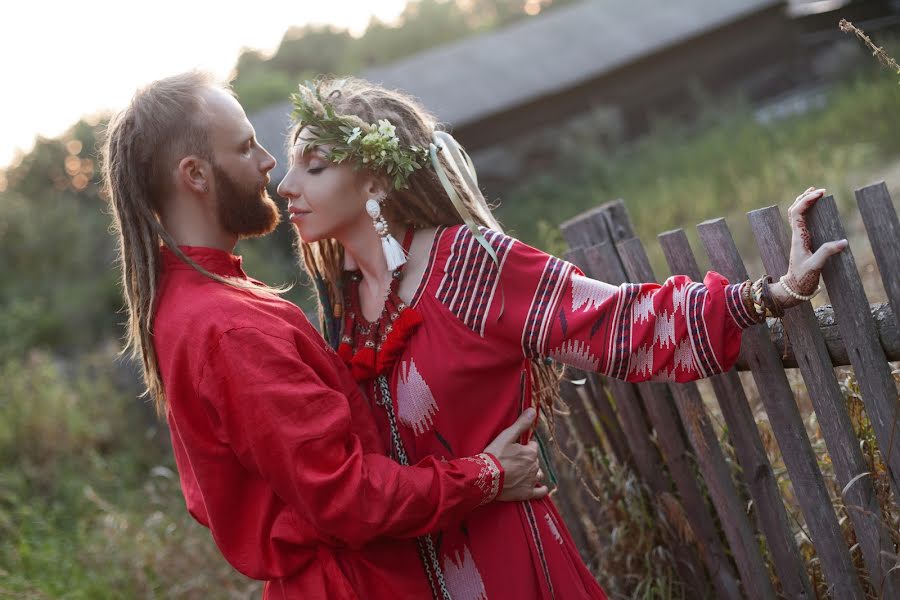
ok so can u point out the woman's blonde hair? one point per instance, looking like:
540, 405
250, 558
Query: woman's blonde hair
424, 203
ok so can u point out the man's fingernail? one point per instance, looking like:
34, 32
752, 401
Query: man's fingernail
530, 413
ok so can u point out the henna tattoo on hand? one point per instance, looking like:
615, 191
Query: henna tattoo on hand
805, 238
807, 284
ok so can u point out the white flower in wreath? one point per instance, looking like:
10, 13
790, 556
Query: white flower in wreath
386, 129
354, 134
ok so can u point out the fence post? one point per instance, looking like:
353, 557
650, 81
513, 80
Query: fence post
734, 520
883, 228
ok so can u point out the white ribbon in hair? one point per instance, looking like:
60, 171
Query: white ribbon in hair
463, 168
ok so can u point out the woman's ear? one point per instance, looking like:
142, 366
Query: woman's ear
195, 174
375, 186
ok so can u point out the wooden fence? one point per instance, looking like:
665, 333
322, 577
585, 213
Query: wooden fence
664, 433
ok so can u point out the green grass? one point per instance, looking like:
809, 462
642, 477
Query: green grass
90, 505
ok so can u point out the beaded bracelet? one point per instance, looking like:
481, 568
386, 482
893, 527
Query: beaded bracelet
795, 295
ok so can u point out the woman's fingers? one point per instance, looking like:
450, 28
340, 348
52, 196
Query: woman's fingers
803, 203
539, 492
806, 191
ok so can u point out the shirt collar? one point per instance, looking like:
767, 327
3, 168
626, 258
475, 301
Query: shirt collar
213, 260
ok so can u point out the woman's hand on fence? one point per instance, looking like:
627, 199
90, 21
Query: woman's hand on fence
522, 477
805, 266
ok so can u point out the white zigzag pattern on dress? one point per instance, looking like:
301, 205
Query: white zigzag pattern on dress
684, 356
664, 375
576, 353
463, 579
678, 296
642, 361
664, 330
643, 308
553, 528
415, 402
590, 292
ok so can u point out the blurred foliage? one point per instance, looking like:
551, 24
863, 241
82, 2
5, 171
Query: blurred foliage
307, 51
724, 165
90, 506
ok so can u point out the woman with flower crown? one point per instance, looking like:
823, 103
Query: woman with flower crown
450, 333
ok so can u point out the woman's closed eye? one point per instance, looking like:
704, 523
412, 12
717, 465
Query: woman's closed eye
315, 170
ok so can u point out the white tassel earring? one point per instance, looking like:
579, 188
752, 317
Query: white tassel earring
393, 251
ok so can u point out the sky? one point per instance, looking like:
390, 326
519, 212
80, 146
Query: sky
67, 59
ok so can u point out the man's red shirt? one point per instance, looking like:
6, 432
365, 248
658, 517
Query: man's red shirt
277, 451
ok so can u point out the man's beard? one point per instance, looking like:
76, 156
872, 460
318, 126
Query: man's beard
244, 211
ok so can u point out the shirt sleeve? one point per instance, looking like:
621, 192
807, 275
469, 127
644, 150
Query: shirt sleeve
283, 422
545, 307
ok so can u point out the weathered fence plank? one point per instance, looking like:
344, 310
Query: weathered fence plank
757, 471
831, 411
879, 392
663, 415
883, 228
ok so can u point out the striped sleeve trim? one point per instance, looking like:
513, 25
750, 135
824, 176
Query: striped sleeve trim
535, 335
736, 307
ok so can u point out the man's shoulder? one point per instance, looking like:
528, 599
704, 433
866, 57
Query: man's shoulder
210, 308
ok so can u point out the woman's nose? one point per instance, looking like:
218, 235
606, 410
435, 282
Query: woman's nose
285, 189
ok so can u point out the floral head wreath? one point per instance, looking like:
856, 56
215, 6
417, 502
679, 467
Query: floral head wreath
373, 146
377, 147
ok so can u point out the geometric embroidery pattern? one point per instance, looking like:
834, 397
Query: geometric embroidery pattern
678, 294
462, 577
577, 354
664, 330
554, 530
643, 308
471, 278
642, 362
664, 375
684, 357
415, 402
488, 480
590, 293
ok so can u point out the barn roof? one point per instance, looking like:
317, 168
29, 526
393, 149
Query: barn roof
471, 79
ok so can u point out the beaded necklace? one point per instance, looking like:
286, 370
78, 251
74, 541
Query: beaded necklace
371, 348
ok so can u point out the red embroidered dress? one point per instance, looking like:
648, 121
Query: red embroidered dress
457, 381
277, 451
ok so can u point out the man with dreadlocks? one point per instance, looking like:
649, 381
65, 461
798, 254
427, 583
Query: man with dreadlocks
277, 451
449, 334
